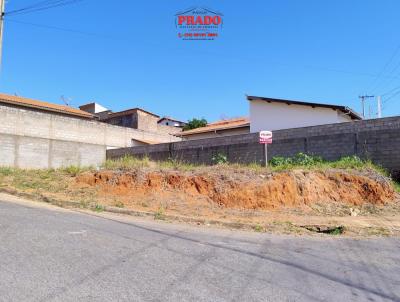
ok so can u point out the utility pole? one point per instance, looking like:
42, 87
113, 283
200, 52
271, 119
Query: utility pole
379, 103
2, 7
363, 98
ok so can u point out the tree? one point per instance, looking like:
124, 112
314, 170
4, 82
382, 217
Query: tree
195, 123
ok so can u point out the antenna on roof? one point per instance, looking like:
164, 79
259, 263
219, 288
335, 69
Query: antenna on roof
66, 101
223, 116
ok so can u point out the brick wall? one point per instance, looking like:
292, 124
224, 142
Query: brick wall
162, 129
143, 121
377, 139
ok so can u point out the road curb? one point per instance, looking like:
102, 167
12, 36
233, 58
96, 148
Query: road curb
300, 228
164, 217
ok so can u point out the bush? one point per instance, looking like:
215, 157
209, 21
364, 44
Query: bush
305, 160
279, 161
300, 159
6, 171
219, 159
72, 170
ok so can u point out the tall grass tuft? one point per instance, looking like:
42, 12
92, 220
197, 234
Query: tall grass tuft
305, 161
127, 162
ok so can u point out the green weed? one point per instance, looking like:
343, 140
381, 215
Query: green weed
305, 161
119, 204
99, 208
74, 170
396, 186
159, 215
336, 231
6, 171
258, 228
126, 162
219, 159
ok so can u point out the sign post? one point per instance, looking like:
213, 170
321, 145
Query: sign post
265, 138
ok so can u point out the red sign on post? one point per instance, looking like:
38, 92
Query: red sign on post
265, 137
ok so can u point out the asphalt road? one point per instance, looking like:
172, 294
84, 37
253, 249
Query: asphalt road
50, 254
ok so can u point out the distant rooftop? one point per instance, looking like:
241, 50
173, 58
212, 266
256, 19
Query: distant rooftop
93, 108
170, 119
240, 122
130, 111
29, 103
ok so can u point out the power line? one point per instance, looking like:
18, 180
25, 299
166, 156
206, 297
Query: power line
45, 5
392, 75
385, 102
376, 81
390, 91
38, 4
391, 97
56, 28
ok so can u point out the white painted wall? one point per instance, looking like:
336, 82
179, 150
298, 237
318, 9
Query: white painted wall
169, 123
275, 116
98, 108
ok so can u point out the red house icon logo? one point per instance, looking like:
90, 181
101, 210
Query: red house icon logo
198, 24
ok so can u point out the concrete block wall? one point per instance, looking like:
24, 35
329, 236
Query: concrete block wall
41, 153
378, 140
39, 139
237, 148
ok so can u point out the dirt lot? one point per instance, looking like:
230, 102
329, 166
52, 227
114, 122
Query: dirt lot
296, 201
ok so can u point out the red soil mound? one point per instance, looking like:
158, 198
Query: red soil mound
283, 189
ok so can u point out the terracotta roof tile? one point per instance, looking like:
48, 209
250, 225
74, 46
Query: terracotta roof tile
25, 102
219, 125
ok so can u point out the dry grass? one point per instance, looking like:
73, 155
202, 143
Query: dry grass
48, 183
61, 184
58, 180
277, 164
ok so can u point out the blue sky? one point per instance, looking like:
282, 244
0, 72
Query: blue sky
312, 50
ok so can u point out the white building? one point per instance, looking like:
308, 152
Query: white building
275, 114
93, 108
169, 121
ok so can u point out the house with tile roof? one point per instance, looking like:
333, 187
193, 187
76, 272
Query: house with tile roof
30, 104
37, 134
225, 127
